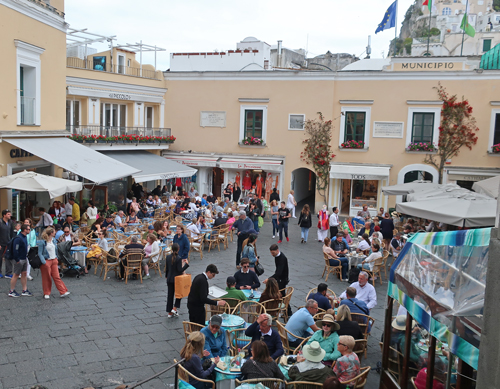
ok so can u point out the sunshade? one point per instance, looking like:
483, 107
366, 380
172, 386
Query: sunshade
409, 187
440, 191
488, 187
35, 182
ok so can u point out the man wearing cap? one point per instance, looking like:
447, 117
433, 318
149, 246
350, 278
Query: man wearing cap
198, 295
211, 198
261, 330
364, 291
215, 338
309, 367
327, 338
301, 323
6, 234
232, 292
151, 230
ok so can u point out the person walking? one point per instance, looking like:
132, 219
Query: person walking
281, 273
183, 241
323, 224
244, 226
175, 266
291, 203
6, 234
274, 217
47, 251
305, 223
20, 262
198, 295
284, 215
387, 229
334, 223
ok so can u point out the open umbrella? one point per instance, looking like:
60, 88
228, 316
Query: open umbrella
440, 191
488, 187
472, 210
35, 182
409, 187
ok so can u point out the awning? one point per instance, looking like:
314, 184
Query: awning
75, 158
193, 161
359, 172
153, 167
255, 164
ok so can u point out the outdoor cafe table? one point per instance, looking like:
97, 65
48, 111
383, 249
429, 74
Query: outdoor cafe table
225, 379
79, 253
355, 259
256, 294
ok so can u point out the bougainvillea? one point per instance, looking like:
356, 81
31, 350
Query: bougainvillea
458, 129
317, 151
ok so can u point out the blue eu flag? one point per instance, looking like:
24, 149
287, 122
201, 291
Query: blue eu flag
389, 20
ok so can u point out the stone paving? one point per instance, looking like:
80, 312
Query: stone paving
108, 333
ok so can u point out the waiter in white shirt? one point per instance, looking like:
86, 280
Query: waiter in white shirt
364, 291
334, 223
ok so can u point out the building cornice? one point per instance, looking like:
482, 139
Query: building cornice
118, 86
424, 102
28, 46
37, 12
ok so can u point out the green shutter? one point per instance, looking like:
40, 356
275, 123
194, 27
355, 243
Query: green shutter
422, 127
486, 44
253, 123
354, 126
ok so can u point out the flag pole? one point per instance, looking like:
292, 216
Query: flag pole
396, 28
463, 30
429, 33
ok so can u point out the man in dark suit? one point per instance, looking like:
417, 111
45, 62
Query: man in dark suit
198, 295
281, 272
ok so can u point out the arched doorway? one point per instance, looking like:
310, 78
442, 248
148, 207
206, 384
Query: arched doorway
416, 172
304, 185
418, 175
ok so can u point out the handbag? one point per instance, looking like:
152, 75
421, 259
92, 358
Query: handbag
182, 285
259, 269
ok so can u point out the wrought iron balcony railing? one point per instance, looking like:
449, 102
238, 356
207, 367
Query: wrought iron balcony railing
109, 131
103, 66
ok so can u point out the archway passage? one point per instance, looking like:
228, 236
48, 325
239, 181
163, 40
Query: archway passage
304, 185
418, 175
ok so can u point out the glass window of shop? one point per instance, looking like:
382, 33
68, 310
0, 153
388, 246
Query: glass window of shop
117, 195
358, 193
355, 126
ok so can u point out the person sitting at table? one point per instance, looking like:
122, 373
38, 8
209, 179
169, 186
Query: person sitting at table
210, 198
302, 324
108, 222
367, 229
172, 200
132, 218
336, 250
232, 292
215, 338
347, 236
97, 227
134, 205
201, 222
58, 228
271, 296
396, 245
347, 325
230, 219
162, 229
309, 367
150, 201
182, 240
364, 244
132, 248
364, 214
369, 261
157, 201
203, 201
250, 250
327, 338
347, 366
219, 207
220, 220
152, 250
193, 228
355, 305
364, 291
398, 339
192, 353
68, 235
246, 279
143, 213
119, 222
324, 300
151, 230
261, 330
69, 222
261, 364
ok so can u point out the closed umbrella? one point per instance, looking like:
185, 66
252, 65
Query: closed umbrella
409, 187
35, 182
489, 187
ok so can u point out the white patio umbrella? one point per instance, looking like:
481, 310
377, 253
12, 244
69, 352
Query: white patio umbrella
409, 187
440, 191
470, 210
35, 182
489, 187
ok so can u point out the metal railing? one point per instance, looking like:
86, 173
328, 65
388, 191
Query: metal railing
117, 131
94, 64
48, 7
27, 111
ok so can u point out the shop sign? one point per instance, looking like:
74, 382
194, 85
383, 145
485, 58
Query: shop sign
462, 177
429, 66
120, 96
168, 176
213, 119
18, 153
388, 129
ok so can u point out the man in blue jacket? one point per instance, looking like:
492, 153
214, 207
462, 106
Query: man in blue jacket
182, 240
244, 225
215, 338
19, 248
261, 330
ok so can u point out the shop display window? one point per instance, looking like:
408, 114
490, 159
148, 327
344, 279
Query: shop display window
364, 192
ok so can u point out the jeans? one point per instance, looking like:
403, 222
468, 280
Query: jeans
283, 226
344, 262
256, 225
275, 226
365, 266
304, 233
8, 264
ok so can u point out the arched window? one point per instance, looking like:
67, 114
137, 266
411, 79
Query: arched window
446, 11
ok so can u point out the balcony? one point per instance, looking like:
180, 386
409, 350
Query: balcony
27, 111
77, 63
48, 7
109, 131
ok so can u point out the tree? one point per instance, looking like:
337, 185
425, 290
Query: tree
317, 151
458, 128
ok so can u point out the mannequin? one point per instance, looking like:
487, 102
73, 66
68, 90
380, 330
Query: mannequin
237, 179
258, 186
247, 181
269, 186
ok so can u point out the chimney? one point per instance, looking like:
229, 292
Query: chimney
278, 61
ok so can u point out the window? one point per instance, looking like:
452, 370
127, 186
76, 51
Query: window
113, 116
149, 117
422, 127
253, 123
296, 122
72, 114
486, 45
121, 64
354, 126
446, 11
494, 137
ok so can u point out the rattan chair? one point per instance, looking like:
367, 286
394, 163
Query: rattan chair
109, 262
213, 241
303, 385
185, 375
271, 383
196, 244
362, 321
359, 381
377, 268
211, 310
283, 332
223, 233
273, 308
231, 301
190, 327
314, 290
238, 340
286, 301
133, 266
360, 347
331, 269
385, 256
249, 310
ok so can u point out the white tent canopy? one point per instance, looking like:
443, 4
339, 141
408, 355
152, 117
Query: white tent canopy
440, 191
35, 182
488, 187
409, 187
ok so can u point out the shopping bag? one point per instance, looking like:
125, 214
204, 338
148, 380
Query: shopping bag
182, 285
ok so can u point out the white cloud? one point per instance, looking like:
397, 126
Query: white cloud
200, 25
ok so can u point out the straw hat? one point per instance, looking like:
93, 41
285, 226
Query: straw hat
395, 214
313, 352
399, 323
328, 319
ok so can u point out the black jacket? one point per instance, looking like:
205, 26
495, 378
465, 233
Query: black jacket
281, 273
6, 232
174, 269
236, 194
198, 295
305, 221
274, 196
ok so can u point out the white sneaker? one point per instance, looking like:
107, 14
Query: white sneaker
274, 236
29, 278
46, 297
65, 294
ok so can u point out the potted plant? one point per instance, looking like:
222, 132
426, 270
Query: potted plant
421, 146
352, 144
250, 140
101, 139
495, 148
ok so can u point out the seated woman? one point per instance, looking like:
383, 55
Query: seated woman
260, 364
192, 353
215, 338
193, 228
271, 294
309, 367
230, 219
334, 260
364, 244
162, 229
152, 250
327, 338
219, 207
132, 218
172, 200
96, 227
347, 237
202, 224
96, 250
347, 366
250, 251
192, 205
347, 325
157, 202
369, 261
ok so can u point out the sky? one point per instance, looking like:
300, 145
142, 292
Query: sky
338, 26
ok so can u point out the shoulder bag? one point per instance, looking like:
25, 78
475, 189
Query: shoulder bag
259, 269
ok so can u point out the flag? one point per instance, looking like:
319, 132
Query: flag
389, 20
469, 30
428, 3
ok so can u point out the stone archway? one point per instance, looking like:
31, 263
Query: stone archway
304, 185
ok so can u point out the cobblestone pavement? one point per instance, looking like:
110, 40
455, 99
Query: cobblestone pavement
108, 333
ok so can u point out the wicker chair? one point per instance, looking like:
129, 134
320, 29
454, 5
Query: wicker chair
377, 268
185, 375
214, 238
314, 290
286, 301
223, 233
303, 385
359, 381
190, 327
211, 310
331, 269
232, 302
249, 310
271, 383
360, 347
283, 332
238, 340
109, 262
362, 321
276, 309
385, 256
133, 266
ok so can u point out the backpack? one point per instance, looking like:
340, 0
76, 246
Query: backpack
10, 248
353, 274
33, 258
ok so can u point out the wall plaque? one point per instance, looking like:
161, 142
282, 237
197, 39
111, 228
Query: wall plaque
388, 129
213, 119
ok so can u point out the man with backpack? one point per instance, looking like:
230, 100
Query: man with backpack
18, 251
6, 234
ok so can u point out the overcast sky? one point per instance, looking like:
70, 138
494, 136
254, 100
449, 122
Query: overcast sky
341, 26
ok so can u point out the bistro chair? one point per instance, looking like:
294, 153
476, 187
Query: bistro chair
249, 310
360, 347
288, 291
303, 385
385, 256
329, 269
362, 321
196, 244
133, 266
238, 340
377, 268
224, 231
283, 332
110, 261
273, 308
271, 383
232, 302
359, 381
190, 327
185, 375
211, 310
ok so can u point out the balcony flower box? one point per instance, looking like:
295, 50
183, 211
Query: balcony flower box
426, 147
495, 148
250, 140
352, 144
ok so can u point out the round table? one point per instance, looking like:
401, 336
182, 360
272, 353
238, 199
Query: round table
224, 378
79, 253
355, 259
256, 294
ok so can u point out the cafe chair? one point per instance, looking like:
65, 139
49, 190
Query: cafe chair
211, 310
314, 290
273, 308
133, 266
331, 269
360, 346
196, 244
270, 383
110, 261
412, 379
385, 256
249, 310
376, 271
359, 381
232, 302
283, 332
155, 265
184, 375
238, 340
362, 321
213, 241
223, 233
288, 291
303, 385
190, 327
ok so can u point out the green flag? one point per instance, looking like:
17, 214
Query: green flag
469, 30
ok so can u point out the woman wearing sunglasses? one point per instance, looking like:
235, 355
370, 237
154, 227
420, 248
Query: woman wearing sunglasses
328, 338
